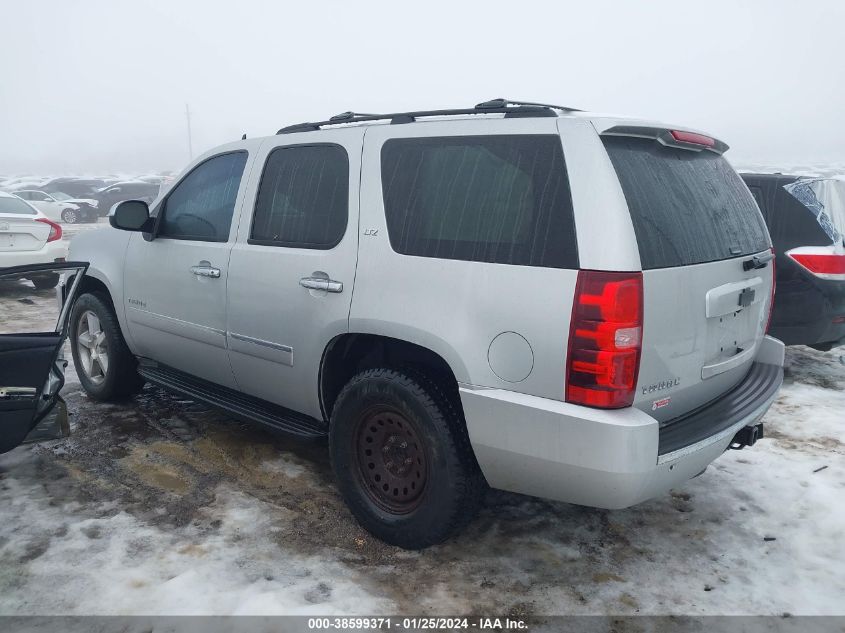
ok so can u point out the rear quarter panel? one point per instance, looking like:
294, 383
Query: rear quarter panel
457, 308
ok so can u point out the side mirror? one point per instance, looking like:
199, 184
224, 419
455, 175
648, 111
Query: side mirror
131, 215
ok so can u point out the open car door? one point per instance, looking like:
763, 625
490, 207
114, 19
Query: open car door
33, 328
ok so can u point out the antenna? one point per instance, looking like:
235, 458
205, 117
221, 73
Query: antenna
190, 141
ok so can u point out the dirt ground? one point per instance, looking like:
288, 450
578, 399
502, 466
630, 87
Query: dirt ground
163, 505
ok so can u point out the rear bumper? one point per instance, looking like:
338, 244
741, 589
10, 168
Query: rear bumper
607, 459
48, 254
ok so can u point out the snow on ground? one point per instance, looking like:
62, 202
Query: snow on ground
163, 506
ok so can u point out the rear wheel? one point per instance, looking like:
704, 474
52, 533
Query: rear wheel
402, 458
104, 364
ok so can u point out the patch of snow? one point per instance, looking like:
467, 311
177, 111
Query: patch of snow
119, 565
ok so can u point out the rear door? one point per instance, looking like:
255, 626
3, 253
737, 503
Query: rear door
293, 265
31, 367
706, 261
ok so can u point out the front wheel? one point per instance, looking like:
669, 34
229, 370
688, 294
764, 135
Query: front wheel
70, 216
402, 458
104, 364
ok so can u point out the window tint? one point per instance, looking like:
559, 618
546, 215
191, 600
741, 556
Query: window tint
502, 199
303, 199
200, 207
686, 207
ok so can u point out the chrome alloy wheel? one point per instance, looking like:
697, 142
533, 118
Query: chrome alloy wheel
92, 347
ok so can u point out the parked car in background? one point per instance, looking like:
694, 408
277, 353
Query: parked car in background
28, 237
61, 207
451, 297
806, 219
75, 187
27, 182
107, 197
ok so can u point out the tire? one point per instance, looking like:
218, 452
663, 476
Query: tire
118, 378
420, 482
45, 282
70, 216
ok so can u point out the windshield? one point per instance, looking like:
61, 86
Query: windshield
15, 206
58, 195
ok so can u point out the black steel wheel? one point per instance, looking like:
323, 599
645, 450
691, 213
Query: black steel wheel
391, 459
402, 457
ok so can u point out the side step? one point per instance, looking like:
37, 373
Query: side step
238, 404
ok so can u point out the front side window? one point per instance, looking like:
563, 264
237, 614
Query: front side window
501, 199
303, 199
201, 206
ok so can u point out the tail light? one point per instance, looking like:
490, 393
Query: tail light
605, 339
772, 297
820, 260
55, 229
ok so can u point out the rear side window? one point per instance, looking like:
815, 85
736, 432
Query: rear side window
200, 207
687, 207
502, 199
303, 199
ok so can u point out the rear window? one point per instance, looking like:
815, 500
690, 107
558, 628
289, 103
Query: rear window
15, 206
502, 199
687, 207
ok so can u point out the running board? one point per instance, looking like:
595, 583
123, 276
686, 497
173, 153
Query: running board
238, 404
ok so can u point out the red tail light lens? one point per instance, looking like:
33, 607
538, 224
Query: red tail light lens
55, 229
692, 137
820, 261
605, 339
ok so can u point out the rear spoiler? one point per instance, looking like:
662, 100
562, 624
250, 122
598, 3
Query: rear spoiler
671, 138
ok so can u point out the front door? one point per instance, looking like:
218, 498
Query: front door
293, 265
175, 279
31, 339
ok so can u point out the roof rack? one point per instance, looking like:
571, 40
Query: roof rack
494, 106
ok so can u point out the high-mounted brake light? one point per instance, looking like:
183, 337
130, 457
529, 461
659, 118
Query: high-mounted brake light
55, 229
605, 339
693, 138
821, 261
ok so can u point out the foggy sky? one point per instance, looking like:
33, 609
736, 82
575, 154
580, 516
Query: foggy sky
99, 87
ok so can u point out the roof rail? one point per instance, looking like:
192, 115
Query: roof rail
495, 106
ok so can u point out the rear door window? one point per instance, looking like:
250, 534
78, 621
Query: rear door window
303, 198
687, 207
502, 199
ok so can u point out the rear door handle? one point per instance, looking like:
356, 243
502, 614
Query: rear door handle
205, 269
319, 283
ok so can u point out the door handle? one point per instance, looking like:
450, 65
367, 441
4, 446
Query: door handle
319, 283
204, 269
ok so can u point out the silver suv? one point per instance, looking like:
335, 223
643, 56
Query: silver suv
544, 300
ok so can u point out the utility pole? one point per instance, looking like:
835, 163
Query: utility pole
190, 142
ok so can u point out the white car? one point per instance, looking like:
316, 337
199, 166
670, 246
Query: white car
61, 207
27, 237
